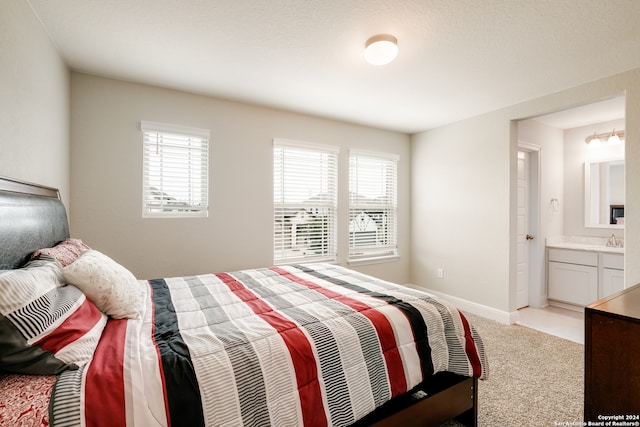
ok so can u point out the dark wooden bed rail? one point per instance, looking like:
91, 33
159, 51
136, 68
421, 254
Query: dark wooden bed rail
443, 397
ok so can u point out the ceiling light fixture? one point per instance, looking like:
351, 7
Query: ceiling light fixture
613, 137
381, 49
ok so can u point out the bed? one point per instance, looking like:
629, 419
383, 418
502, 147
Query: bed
84, 343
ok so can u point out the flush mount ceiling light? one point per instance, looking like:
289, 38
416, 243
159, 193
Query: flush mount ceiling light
613, 137
381, 49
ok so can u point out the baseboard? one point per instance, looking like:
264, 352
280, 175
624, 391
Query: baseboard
505, 317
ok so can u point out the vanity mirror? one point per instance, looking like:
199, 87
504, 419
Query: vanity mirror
604, 194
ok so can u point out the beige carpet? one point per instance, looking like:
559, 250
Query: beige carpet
535, 379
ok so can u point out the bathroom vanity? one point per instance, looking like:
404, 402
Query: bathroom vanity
582, 270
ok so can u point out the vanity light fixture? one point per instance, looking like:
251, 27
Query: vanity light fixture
613, 137
593, 140
381, 49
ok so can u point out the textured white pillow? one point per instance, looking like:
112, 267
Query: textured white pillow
110, 286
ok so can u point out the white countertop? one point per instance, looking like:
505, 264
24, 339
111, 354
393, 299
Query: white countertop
592, 244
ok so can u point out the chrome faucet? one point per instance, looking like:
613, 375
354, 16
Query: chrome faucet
613, 242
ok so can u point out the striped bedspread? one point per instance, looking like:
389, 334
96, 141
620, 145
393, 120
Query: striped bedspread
311, 345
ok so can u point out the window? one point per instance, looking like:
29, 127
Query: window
175, 171
372, 205
305, 199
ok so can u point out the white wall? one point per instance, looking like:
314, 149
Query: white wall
464, 194
551, 143
34, 100
106, 172
460, 210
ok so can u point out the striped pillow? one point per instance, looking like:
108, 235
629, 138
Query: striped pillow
45, 326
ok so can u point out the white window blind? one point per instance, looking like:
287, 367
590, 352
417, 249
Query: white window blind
305, 201
373, 182
175, 171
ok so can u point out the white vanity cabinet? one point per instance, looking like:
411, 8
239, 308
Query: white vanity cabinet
579, 277
573, 276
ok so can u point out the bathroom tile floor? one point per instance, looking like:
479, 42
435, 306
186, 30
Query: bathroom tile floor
556, 321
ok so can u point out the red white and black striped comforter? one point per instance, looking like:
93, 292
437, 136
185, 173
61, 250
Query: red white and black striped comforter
309, 345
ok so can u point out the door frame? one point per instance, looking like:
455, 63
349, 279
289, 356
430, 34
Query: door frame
537, 282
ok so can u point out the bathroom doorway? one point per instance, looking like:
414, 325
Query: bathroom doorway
556, 144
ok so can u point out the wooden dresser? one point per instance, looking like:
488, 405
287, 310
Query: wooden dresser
612, 357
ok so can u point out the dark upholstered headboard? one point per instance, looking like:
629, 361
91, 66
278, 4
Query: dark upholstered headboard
31, 217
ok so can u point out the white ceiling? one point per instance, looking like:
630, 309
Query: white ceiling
598, 112
458, 58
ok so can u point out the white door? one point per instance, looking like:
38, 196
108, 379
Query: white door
523, 237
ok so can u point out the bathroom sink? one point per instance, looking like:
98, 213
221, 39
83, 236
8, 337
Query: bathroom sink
587, 247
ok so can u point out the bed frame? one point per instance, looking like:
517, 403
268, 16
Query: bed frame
440, 398
33, 216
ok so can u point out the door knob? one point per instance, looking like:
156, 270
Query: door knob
529, 237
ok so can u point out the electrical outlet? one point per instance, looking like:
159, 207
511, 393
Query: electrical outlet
440, 273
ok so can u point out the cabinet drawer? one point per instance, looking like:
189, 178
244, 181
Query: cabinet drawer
613, 261
573, 257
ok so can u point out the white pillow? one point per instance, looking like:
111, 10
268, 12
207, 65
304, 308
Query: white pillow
110, 286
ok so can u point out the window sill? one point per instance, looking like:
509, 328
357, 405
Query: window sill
373, 260
309, 260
